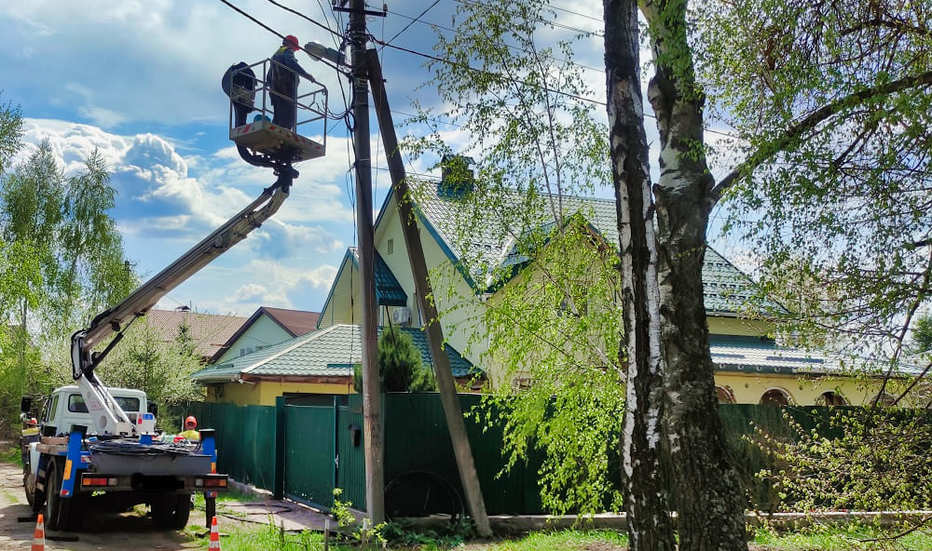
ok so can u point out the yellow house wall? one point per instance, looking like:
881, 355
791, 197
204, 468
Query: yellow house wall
264, 393
749, 387
338, 309
456, 322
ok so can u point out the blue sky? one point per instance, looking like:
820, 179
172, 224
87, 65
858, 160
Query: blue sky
139, 80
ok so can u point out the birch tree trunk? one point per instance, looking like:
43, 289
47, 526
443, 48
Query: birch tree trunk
709, 500
649, 526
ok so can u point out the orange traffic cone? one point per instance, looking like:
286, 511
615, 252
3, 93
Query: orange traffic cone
38, 537
214, 535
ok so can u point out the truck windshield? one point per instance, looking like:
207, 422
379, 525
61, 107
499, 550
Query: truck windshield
76, 403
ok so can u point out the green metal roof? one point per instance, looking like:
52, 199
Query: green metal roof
388, 290
726, 288
329, 352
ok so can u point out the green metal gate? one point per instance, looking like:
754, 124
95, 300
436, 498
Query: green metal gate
351, 474
310, 454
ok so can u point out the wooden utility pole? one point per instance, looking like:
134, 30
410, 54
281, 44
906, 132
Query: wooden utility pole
445, 382
371, 387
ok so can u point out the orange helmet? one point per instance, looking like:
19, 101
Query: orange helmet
190, 420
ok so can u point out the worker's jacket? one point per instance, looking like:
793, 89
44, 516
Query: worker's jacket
282, 80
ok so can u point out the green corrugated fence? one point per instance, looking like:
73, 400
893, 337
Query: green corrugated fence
321, 447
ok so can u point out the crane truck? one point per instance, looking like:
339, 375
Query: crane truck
95, 447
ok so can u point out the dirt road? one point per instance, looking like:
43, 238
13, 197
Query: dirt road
116, 532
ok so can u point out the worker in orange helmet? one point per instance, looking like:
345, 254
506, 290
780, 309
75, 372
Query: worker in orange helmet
283, 81
190, 429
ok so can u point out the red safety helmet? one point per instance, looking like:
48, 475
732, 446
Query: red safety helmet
292, 42
190, 420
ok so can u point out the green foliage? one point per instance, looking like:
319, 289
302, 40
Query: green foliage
922, 335
865, 460
832, 109
555, 332
552, 334
62, 262
400, 364
162, 369
844, 538
11, 131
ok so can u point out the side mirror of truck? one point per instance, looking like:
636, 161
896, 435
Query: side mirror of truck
25, 404
153, 408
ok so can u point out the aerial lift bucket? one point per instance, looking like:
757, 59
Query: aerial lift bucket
258, 134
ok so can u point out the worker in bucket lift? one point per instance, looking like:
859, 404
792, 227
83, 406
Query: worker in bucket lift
283, 79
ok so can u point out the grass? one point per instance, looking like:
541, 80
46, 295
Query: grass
11, 455
246, 537
256, 537
850, 537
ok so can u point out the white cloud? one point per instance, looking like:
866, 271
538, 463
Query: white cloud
269, 284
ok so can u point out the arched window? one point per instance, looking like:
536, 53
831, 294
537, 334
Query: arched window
885, 400
831, 398
724, 395
775, 397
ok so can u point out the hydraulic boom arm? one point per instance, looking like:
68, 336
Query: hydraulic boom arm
105, 412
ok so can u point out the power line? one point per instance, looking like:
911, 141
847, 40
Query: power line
301, 15
597, 19
489, 73
413, 21
515, 48
540, 19
442, 60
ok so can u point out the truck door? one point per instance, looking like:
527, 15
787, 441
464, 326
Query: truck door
48, 416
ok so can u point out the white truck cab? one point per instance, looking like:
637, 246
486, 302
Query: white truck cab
65, 409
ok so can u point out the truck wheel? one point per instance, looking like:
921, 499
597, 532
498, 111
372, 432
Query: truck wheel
58, 511
29, 487
171, 512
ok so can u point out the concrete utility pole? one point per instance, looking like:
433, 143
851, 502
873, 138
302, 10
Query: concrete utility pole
371, 387
445, 382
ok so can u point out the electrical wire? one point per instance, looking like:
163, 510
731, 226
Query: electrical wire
280, 35
515, 48
301, 15
484, 72
412, 22
347, 115
541, 19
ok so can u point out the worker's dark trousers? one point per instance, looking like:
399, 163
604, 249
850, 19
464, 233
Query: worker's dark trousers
240, 113
285, 111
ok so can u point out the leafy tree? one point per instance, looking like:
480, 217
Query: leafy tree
161, 368
11, 131
400, 363
922, 335
63, 262
531, 145
814, 90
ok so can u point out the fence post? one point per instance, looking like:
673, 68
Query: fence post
279, 479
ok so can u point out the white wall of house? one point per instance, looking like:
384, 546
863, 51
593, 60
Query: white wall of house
263, 332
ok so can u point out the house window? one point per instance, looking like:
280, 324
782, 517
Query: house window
390, 246
724, 395
885, 400
242, 352
831, 398
775, 397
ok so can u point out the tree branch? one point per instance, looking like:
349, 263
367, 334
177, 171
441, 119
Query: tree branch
796, 131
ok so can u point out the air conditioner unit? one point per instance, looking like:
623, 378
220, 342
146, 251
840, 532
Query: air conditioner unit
401, 315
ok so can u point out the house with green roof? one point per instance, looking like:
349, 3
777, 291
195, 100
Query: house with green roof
751, 366
309, 369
